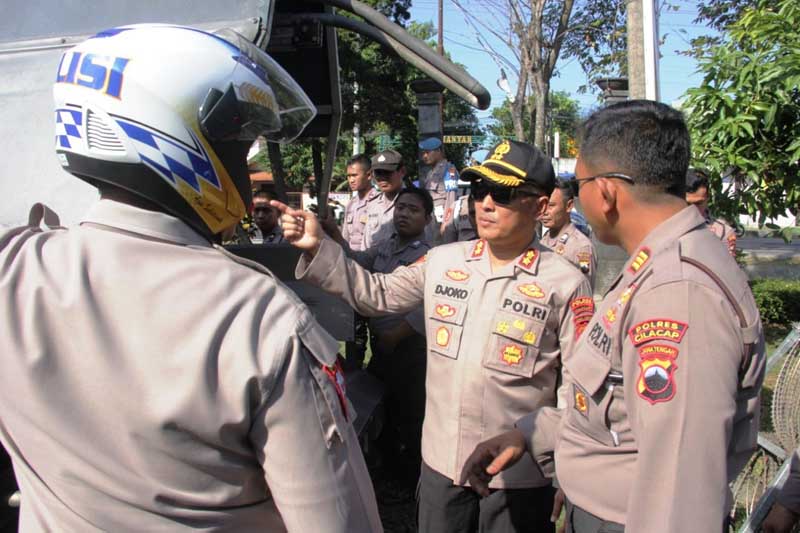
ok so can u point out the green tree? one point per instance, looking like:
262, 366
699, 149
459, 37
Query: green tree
745, 116
563, 114
529, 37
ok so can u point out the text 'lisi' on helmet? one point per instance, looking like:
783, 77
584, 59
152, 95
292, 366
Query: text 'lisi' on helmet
156, 110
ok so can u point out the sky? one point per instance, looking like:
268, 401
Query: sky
677, 72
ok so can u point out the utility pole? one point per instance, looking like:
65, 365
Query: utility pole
636, 83
651, 53
440, 51
643, 54
440, 46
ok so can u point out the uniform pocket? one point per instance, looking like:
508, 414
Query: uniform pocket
592, 413
445, 327
334, 410
513, 344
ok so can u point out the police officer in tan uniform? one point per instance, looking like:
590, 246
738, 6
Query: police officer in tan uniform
359, 177
785, 513
501, 313
150, 380
663, 386
697, 195
562, 236
441, 180
461, 226
387, 171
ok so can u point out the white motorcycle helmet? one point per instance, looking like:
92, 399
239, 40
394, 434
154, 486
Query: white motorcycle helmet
168, 112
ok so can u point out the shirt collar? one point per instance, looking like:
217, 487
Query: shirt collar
664, 235
152, 224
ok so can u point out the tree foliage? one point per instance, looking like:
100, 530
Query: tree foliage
716, 15
563, 115
745, 116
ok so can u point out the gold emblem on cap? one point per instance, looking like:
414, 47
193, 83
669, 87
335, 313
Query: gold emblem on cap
502, 149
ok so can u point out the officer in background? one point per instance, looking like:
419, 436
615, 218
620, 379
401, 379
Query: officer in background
500, 315
461, 226
785, 513
697, 195
265, 218
388, 171
664, 384
441, 180
359, 177
150, 380
398, 342
562, 236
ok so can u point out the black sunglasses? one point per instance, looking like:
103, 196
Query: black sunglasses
500, 195
617, 175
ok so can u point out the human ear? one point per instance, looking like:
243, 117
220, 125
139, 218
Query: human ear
608, 195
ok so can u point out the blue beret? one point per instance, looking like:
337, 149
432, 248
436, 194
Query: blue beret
431, 143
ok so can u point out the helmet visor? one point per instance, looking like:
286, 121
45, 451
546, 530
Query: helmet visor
279, 109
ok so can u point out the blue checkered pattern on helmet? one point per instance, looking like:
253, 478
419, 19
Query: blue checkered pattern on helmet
170, 157
67, 122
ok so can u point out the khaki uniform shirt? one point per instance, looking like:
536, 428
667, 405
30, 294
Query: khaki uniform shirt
576, 248
459, 227
725, 233
663, 403
441, 182
380, 223
355, 220
386, 258
150, 382
789, 496
495, 339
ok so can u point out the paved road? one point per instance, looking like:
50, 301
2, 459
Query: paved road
765, 245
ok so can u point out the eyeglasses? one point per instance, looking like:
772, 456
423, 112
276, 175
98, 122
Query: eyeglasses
500, 195
617, 175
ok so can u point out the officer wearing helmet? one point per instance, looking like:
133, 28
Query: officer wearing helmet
150, 380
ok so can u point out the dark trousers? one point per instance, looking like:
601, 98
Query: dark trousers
403, 373
446, 508
580, 521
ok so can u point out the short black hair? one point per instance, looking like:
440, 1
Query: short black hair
696, 178
425, 196
646, 140
569, 188
360, 159
263, 193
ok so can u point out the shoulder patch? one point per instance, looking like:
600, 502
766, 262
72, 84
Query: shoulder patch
477, 250
641, 259
658, 329
584, 261
657, 370
528, 258
582, 304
